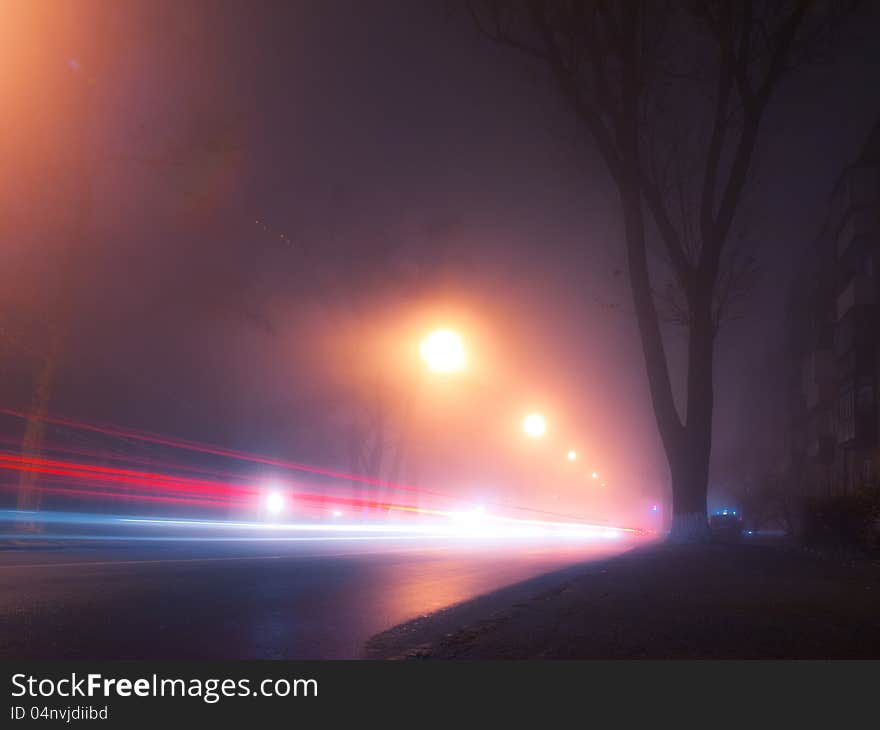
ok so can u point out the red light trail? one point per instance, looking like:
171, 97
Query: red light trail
214, 450
192, 487
221, 493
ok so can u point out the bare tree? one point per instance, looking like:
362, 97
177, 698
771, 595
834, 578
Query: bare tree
71, 221
382, 406
390, 269
69, 210
673, 94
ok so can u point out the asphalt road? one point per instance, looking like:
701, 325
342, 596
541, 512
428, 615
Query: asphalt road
713, 601
244, 600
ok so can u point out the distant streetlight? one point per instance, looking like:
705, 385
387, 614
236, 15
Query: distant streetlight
572, 455
534, 425
274, 503
595, 475
443, 352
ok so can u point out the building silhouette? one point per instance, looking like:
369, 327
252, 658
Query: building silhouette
833, 333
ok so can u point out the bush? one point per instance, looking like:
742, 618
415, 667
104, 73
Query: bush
844, 521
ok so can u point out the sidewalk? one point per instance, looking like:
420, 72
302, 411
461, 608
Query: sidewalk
669, 601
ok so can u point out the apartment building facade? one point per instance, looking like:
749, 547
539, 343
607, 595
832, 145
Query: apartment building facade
833, 339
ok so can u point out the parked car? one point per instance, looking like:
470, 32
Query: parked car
726, 526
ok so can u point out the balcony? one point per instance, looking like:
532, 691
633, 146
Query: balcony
821, 449
857, 362
856, 413
863, 185
819, 433
817, 377
855, 337
855, 205
857, 293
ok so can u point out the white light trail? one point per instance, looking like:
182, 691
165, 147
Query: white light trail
472, 524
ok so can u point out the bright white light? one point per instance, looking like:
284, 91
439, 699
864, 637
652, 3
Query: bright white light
534, 425
274, 503
337, 513
472, 516
475, 523
595, 475
443, 352
572, 455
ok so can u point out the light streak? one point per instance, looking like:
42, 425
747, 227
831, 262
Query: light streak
135, 497
489, 528
226, 490
213, 450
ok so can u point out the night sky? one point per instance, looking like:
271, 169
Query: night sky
276, 188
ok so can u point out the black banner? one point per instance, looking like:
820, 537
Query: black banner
173, 694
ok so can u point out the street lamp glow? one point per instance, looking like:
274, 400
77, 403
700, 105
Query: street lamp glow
471, 518
443, 352
534, 425
274, 503
595, 475
572, 455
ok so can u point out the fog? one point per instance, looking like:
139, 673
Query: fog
245, 219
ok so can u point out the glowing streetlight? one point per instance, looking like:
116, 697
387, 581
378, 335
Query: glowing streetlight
443, 352
472, 517
534, 425
274, 503
595, 475
572, 455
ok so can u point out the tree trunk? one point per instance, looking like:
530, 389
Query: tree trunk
35, 430
689, 463
690, 471
62, 304
402, 447
687, 446
355, 450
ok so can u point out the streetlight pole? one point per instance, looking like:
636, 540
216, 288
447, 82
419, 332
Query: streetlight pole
443, 353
